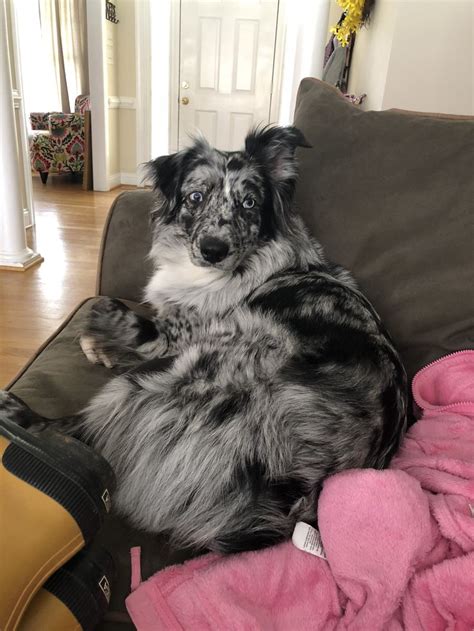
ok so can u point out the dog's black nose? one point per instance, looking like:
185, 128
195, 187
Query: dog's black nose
214, 250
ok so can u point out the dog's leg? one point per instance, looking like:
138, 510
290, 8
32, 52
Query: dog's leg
15, 410
114, 334
117, 336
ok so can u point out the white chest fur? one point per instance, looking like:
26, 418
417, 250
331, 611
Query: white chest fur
177, 277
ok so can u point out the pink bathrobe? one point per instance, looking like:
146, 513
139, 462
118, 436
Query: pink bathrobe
399, 543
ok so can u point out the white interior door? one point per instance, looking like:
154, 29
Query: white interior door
227, 51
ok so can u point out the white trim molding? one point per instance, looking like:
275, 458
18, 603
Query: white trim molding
278, 55
129, 178
175, 70
164, 93
122, 102
16, 99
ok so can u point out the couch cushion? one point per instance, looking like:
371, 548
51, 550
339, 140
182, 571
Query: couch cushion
390, 196
60, 381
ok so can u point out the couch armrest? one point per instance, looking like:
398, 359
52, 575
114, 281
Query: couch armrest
123, 266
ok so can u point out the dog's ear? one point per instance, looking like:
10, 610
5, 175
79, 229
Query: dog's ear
164, 172
274, 147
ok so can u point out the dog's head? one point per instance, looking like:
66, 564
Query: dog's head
226, 203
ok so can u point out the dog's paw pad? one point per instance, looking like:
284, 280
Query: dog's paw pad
91, 349
88, 348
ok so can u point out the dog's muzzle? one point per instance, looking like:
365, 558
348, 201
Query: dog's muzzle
213, 250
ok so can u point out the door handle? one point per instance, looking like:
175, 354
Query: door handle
185, 100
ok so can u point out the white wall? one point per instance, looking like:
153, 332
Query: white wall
371, 55
304, 39
417, 55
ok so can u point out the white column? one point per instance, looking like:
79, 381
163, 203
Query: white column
14, 253
17, 12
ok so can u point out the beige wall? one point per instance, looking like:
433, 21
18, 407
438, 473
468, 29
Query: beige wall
418, 55
334, 15
126, 49
113, 149
127, 85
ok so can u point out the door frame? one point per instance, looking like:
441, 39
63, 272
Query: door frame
143, 107
100, 114
149, 118
175, 63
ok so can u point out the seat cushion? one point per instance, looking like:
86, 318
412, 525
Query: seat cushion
390, 196
57, 382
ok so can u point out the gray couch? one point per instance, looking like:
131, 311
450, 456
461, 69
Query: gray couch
389, 194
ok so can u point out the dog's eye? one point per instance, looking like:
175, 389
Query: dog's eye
196, 197
248, 203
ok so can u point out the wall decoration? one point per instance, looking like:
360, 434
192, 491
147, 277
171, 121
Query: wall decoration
110, 12
356, 13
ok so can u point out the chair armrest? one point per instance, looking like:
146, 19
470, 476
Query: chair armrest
39, 120
123, 268
60, 124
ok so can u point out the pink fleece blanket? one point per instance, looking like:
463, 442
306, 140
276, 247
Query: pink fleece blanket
399, 543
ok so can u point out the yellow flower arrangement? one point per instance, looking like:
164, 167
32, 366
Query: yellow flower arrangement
354, 17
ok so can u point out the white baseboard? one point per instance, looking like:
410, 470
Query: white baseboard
123, 178
114, 180
128, 178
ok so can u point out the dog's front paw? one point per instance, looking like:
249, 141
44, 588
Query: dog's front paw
94, 351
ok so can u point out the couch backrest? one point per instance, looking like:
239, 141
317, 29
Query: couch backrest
390, 195
123, 265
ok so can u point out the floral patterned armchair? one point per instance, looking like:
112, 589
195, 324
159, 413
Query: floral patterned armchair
57, 140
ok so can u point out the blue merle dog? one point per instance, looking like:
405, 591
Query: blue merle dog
262, 371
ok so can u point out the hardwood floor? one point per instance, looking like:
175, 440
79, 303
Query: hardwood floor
69, 223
